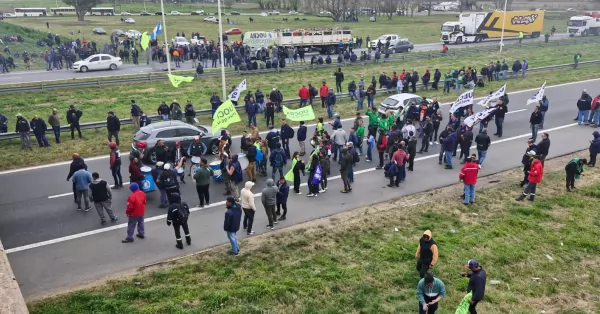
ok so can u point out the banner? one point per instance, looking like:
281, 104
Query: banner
463, 307
235, 95
289, 176
463, 100
471, 120
301, 114
145, 41
156, 31
493, 96
259, 39
225, 115
177, 79
538, 96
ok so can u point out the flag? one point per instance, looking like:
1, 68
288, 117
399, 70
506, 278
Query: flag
145, 41
463, 100
538, 96
235, 94
224, 116
289, 176
463, 307
177, 79
156, 31
493, 96
300, 114
471, 120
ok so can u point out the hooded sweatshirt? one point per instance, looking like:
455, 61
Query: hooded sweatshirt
427, 250
247, 197
438, 289
269, 194
595, 144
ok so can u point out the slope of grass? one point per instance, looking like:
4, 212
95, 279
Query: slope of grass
354, 262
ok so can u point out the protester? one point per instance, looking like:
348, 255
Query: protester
325, 165
136, 208
536, 172
594, 149
399, 158
283, 191
73, 116
54, 122
427, 253
248, 206
477, 281
135, 174
277, 160
345, 167
101, 195
23, 128
430, 291
286, 133
543, 148
233, 217
251, 154
301, 137
574, 169
113, 126
202, 178
544, 105
177, 214
298, 166
314, 176
535, 121
448, 145
39, 130
269, 200
82, 179
115, 164
468, 174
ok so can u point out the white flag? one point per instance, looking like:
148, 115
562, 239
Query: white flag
235, 94
538, 96
472, 119
493, 96
463, 100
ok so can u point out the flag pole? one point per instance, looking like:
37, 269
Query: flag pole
221, 48
164, 30
503, 24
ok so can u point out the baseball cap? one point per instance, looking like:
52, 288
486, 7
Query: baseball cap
472, 263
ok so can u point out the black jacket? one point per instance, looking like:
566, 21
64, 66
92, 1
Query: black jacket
501, 111
476, 285
22, 125
536, 117
113, 124
286, 132
543, 147
77, 164
73, 116
178, 212
483, 142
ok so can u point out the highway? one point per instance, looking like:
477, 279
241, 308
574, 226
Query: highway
22, 77
52, 246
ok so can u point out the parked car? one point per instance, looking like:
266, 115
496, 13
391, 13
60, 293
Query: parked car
209, 19
172, 132
99, 31
325, 13
571, 10
233, 31
175, 13
200, 40
273, 12
392, 38
402, 45
201, 12
235, 13
129, 21
98, 62
125, 13
293, 12
159, 13
7, 15
132, 33
372, 19
180, 41
145, 13
118, 33
399, 102
217, 13
263, 14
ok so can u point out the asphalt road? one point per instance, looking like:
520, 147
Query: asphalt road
20, 77
52, 246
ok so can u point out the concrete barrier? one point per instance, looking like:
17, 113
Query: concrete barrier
11, 299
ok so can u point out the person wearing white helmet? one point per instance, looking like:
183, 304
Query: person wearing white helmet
196, 149
168, 181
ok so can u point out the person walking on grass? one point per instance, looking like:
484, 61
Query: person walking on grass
177, 214
101, 195
248, 206
269, 200
202, 178
430, 291
574, 169
468, 174
73, 117
427, 253
536, 173
283, 191
477, 280
136, 209
233, 218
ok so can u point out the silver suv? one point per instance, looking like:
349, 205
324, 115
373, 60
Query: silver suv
172, 132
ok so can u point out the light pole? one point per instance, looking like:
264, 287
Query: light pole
221, 48
164, 30
503, 24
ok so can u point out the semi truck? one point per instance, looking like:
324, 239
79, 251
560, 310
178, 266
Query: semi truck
478, 26
324, 40
583, 25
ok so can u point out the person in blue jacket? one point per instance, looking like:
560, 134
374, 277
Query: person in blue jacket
283, 191
301, 136
233, 218
251, 110
448, 146
594, 149
39, 130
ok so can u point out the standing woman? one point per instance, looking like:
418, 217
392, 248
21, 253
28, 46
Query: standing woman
381, 145
299, 166
315, 172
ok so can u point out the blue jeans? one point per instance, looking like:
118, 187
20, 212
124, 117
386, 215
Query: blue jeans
235, 248
369, 154
499, 122
469, 193
481, 155
359, 104
48, 66
351, 175
402, 170
329, 111
163, 197
448, 155
56, 130
275, 169
497, 76
458, 88
597, 118
534, 131
302, 103
252, 120
582, 116
543, 118
164, 117
370, 102
337, 152
447, 87
42, 140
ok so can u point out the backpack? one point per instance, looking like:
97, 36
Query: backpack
278, 160
355, 157
259, 155
181, 212
238, 176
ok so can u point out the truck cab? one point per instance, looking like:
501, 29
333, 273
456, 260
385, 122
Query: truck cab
453, 32
582, 25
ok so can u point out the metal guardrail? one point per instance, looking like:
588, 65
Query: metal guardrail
394, 57
102, 124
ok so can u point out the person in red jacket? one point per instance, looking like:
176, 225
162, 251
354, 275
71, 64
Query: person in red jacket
399, 157
304, 94
381, 145
468, 175
135, 174
323, 92
136, 208
536, 172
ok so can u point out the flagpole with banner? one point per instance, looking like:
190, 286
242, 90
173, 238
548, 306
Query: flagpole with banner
164, 26
484, 102
235, 94
221, 48
463, 100
538, 96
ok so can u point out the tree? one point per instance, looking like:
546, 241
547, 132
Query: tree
82, 6
228, 4
428, 4
389, 7
294, 4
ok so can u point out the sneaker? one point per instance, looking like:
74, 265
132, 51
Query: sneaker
78, 209
310, 195
299, 193
430, 143
141, 236
321, 191
270, 227
103, 222
436, 143
201, 206
368, 160
275, 222
325, 188
480, 166
282, 218
127, 241
88, 209
250, 233
344, 191
114, 219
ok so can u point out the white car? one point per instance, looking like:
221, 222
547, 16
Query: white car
175, 13
129, 21
571, 10
210, 19
98, 62
273, 12
200, 12
264, 14
325, 13
399, 102
180, 41
132, 33
125, 14
9, 15
392, 38
293, 13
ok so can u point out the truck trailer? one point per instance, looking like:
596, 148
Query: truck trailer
583, 25
478, 26
324, 40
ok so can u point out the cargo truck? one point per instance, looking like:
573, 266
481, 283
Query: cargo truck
324, 40
583, 25
478, 26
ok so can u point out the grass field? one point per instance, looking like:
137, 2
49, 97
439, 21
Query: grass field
354, 262
95, 102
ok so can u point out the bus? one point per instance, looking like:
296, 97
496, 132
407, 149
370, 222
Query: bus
30, 11
60, 11
103, 11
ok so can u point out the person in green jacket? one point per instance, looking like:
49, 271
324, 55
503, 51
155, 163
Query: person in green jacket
577, 59
460, 81
360, 132
386, 121
176, 113
447, 81
430, 291
202, 178
373, 122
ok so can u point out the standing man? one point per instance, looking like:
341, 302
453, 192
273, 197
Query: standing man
584, 105
427, 253
499, 116
251, 110
430, 291
196, 149
468, 174
190, 113
544, 104
536, 173
73, 116
82, 179
135, 114
3, 123
164, 111
283, 191
39, 130
115, 164
477, 279
323, 92
345, 161
277, 160
301, 136
248, 206
113, 126
22, 127
136, 208
339, 78
54, 121
331, 100
304, 95
543, 148
448, 145
269, 200
202, 178
287, 133
483, 143
251, 154
534, 121
233, 218
101, 195
77, 164
594, 149
177, 214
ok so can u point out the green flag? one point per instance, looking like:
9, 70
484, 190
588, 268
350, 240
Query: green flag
177, 79
301, 114
289, 176
145, 41
225, 115
463, 307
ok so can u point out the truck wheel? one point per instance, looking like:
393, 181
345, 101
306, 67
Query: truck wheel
477, 39
459, 40
332, 50
571, 35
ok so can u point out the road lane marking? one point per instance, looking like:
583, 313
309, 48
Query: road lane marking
221, 203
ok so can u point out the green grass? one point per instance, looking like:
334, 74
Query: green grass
95, 102
30, 35
354, 262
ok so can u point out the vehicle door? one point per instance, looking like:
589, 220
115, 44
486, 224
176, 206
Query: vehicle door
94, 63
105, 62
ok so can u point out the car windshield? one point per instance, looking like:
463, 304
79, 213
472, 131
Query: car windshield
575, 23
202, 129
141, 136
390, 102
447, 28
384, 37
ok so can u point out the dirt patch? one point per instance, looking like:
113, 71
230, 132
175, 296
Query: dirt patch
147, 90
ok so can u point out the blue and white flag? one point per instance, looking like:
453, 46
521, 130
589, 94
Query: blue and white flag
156, 31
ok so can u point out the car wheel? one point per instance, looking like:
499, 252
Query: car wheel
214, 148
113, 66
83, 69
